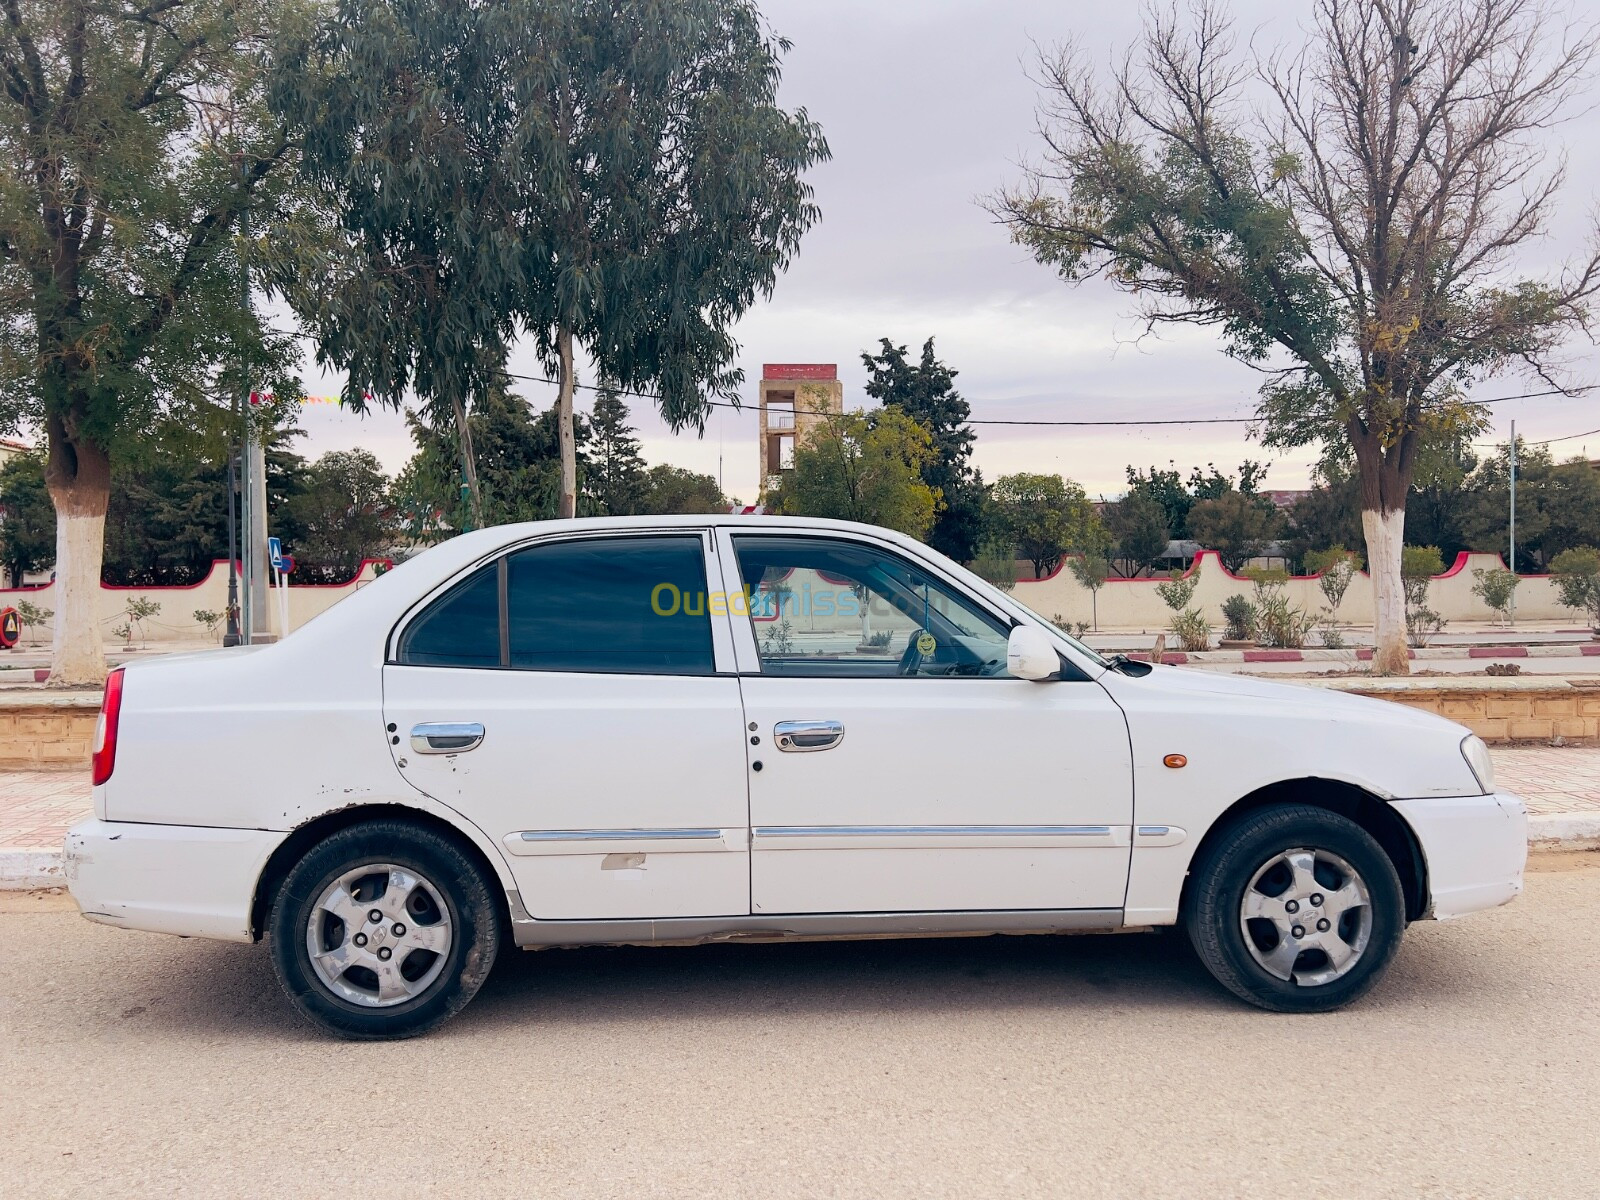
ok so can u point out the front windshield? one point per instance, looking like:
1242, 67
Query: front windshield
1092, 655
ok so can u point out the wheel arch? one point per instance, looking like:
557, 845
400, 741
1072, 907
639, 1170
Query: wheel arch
304, 837
1375, 815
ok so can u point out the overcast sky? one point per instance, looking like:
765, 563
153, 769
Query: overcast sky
927, 107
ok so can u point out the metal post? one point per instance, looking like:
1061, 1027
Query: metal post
1513, 563
231, 637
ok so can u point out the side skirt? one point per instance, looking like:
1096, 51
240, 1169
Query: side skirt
531, 934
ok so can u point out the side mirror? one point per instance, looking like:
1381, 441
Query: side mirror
1031, 655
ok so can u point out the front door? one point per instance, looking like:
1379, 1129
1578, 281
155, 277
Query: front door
899, 767
566, 698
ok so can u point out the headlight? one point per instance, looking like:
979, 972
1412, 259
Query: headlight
1477, 756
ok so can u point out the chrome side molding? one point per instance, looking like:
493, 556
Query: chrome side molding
532, 934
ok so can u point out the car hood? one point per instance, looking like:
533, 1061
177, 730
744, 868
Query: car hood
1299, 698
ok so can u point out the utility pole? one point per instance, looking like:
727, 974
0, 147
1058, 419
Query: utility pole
1513, 563
231, 637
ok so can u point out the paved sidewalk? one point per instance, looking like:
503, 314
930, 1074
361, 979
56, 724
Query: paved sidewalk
1561, 786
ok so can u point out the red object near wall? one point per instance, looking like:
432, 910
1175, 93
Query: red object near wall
10, 628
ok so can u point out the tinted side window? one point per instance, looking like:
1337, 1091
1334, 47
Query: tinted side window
461, 628
635, 605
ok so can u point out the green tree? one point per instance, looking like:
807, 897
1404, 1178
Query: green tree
1137, 525
27, 518
519, 468
614, 175
1328, 515
1166, 489
1238, 527
1577, 573
1047, 517
667, 490
616, 477
133, 139
925, 391
1558, 505
863, 467
1364, 243
343, 516
166, 522
1092, 570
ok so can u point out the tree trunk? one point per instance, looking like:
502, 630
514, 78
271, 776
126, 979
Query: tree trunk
469, 461
78, 476
568, 506
1385, 532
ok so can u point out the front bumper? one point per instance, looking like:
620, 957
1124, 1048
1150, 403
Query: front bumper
183, 879
1475, 849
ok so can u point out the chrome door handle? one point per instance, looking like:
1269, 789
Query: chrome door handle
801, 737
446, 737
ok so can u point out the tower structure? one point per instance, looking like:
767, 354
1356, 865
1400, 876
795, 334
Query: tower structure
794, 398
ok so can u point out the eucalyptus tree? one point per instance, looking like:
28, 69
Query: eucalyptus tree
661, 190
412, 266
1363, 241
133, 138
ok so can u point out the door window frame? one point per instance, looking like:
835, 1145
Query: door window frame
723, 655
748, 653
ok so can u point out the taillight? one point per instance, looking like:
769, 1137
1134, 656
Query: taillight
105, 731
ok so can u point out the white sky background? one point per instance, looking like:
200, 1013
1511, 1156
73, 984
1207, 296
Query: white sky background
927, 107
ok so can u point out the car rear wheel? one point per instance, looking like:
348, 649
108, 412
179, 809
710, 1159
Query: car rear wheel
1296, 909
383, 930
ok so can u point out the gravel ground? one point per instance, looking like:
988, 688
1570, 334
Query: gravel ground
136, 1065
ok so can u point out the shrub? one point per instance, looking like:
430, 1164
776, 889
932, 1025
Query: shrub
1178, 590
1334, 567
1239, 615
1192, 629
1418, 566
1422, 624
1278, 622
1577, 573
209, 619
1497, 588
32, 616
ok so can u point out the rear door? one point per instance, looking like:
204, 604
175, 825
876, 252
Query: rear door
575, 698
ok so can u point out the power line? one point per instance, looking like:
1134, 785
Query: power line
591, 387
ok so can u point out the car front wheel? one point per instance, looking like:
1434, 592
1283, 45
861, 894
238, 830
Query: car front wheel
1296, 909
383, 930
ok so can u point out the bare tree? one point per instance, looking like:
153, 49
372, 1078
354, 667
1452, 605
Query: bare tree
1357, 238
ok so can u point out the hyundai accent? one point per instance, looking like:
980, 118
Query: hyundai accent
693, 729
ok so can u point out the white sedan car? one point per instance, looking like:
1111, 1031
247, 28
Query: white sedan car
693, 729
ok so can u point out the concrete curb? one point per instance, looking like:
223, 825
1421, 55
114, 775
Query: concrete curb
24, 870
1564, 831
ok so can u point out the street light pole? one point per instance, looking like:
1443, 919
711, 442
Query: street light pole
1513, 563
231, 637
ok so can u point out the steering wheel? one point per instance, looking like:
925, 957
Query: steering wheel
911, 660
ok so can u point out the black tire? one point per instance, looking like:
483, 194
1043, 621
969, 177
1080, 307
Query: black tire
1212, 914
468, 901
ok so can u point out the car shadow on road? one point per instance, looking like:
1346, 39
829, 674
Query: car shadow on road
223, 989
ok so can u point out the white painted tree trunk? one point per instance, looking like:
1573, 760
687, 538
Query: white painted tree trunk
79, 657
1385, 533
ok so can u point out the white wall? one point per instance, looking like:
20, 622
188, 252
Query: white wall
1133, 603
176, 621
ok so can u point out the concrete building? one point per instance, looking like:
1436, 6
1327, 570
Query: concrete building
794, 398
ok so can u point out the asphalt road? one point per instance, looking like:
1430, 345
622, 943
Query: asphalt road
132, 1064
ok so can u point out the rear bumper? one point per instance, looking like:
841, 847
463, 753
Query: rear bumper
182, 879
1475, 848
